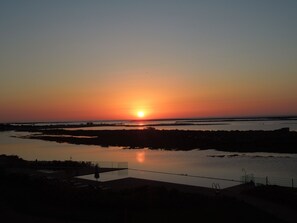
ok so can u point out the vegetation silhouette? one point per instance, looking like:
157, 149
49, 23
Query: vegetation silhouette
280, 141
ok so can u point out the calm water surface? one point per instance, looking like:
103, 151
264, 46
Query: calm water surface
202, 125
280, 168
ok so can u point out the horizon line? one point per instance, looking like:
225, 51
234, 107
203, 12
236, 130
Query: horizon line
161, 119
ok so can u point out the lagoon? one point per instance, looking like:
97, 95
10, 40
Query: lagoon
279, 168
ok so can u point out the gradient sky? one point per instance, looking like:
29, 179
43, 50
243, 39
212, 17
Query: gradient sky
86, 60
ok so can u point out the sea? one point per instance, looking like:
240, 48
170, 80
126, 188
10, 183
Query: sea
206, 168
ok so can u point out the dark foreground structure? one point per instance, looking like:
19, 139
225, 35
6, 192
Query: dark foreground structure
30, 197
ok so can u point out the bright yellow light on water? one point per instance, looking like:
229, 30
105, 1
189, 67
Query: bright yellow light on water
140, 114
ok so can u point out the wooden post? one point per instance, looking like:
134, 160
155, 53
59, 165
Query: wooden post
292, 183
266, 180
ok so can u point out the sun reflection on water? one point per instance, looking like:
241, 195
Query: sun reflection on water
140, 157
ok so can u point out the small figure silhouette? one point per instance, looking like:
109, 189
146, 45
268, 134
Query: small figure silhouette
97, 176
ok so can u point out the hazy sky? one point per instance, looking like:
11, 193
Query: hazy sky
70, 60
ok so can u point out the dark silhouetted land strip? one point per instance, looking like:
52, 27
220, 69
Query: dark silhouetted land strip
280, 141
37, 126
135, 123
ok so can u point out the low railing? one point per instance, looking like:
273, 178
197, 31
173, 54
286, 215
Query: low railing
111, 164
279, 181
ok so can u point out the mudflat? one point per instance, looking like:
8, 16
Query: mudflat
278, 141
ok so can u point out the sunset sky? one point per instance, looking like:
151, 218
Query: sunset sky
97, 60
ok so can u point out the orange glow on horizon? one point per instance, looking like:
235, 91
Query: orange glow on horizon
138, 97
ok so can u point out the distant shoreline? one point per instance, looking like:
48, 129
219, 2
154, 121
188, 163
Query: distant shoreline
277, 141
105, 122
139, 123
35, 126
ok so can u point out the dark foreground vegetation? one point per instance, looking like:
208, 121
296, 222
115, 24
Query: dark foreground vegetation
38, 199
285, 196
280, 141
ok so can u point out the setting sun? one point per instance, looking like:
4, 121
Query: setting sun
140, 114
